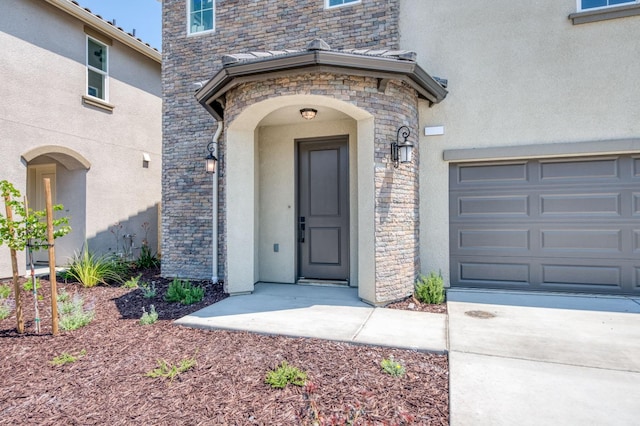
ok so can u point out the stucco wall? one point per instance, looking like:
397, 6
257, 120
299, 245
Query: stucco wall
519, 74
44, 59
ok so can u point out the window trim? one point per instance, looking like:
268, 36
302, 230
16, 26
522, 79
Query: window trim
92, 68
191, 33
351, 3
579, 7
605, 13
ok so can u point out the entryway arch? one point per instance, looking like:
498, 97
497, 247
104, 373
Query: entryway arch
259, 174
67, 171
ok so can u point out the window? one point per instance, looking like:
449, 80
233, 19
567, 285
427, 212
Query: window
97, 69
201, 15
596, 4
336, 3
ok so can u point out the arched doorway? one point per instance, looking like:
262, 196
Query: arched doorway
67, 172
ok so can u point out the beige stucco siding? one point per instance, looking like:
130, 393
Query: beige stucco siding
44, 75
519, 74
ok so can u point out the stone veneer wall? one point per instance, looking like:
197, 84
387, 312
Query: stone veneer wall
396, 197
187, 128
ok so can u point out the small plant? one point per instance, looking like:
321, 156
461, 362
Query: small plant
430, 289
132, 282
150, 317
90, 269
5, 291
182, 291
285, 374
147, 259
67, 358
168, 371
6, 307
148, 290
73, 314
28, 286
392, 367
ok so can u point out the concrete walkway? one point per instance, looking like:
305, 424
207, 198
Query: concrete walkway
515, 359
332, 313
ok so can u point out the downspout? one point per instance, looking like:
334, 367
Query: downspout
214, 208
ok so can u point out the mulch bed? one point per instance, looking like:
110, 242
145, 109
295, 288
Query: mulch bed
411, 304
108, 385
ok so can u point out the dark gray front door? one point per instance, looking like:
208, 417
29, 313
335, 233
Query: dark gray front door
323, 208
569, 224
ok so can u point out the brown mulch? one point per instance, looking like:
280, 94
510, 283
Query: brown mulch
412, 304
108, 385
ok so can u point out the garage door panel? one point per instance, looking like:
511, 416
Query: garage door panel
561, 170
507, 173
580, 204
507, 274
562, 225
506, 205
581, 275
604, 241
492, 239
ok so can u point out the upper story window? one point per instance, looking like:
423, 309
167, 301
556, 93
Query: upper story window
597, 4
97, 69
201, 15
336, 3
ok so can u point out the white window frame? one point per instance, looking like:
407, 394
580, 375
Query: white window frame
581, 9
189, 32
350, 3
99, 71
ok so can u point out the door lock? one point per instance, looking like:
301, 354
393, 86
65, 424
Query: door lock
301, 229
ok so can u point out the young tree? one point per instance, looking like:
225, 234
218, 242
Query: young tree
21, 228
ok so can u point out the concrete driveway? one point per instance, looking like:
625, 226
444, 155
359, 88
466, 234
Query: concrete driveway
516, 365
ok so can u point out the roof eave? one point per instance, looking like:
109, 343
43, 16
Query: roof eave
379, 67
92, 20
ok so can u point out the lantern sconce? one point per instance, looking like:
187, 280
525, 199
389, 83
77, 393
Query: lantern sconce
211, 159
401, 150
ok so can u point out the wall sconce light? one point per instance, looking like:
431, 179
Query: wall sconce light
401, 150
211, 159
308, 113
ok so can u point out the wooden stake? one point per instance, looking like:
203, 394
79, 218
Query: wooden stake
14, 266
52, 259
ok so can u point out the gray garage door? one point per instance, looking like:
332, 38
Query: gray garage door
552, 224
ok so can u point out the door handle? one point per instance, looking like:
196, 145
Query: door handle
301, 229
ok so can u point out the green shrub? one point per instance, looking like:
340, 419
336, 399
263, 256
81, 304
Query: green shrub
168, 371
430, 289
28, 286
148, 290
392, 367
72, 312
150, 317
6, 307
67, 358
147, 258
183, 292
285, 374
132, 282
5, 291
90, 269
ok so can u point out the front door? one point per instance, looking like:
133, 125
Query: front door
36, 196
323, 208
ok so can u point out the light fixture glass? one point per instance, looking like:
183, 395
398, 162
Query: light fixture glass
401, 151
308, 113
211, 159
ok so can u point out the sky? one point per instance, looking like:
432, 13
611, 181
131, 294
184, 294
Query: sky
143, 15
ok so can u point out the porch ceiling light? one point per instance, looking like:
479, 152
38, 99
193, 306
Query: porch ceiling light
401, 150
211, 159
308, 113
